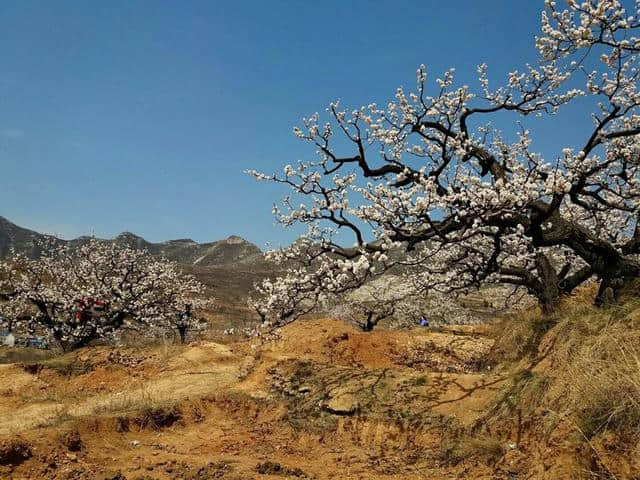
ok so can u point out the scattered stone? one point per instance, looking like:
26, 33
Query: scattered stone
72, 441
77, 473
119, 358
211, 471
273, 468
14, 452
157, 418
113, 476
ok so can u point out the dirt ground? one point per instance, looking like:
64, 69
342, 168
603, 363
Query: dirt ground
325, 401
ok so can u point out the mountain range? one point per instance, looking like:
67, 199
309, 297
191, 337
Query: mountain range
230, 251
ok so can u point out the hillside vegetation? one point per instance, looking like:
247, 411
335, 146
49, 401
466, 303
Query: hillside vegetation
524, 397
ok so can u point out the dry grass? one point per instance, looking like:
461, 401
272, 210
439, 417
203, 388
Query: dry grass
581, 369
137, 410
24, 355
127, 402
594, 361
484, 448
604, 386
60, 415
517, 338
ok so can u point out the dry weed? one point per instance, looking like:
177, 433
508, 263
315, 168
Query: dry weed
483, 448
604, 391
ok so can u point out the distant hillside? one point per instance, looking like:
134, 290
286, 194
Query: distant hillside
230, 251
21, 239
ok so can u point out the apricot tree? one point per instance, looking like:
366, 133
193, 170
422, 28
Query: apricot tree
430, 174
96, 290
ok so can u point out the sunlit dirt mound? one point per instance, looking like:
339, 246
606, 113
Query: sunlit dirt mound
323, 401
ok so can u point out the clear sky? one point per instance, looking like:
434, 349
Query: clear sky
142, 115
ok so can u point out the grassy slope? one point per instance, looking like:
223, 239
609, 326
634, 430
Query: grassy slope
574, 389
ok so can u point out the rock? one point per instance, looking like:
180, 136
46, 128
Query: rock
113, 476
342, 404
72, 440
514, 461
14, 452
273, 468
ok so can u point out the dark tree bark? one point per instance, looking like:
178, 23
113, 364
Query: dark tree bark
182, 331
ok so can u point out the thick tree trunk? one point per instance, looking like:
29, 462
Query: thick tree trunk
605, 260
615, 269
610, 291
548, 290
369, 323
83, 341
58, 338
547, 285
548, 307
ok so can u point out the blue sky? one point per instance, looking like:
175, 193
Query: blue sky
142, 115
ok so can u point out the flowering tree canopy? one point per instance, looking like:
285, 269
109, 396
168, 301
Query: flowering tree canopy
391, 298
95, 290
430, 174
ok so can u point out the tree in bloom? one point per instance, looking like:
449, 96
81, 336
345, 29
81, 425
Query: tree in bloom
394, 299
374, 302
13, 313
312, 279
429, 174
185, 320
95, 291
